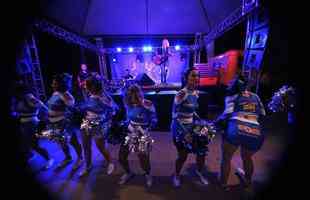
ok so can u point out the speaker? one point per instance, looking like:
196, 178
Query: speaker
143, 79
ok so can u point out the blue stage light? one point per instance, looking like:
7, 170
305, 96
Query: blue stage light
118, 49
177, 47
145, 48
130, 49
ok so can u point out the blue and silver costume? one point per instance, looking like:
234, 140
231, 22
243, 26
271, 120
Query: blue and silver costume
242, 113
99, 111
183, 122
139, 119
58, 105
27, 110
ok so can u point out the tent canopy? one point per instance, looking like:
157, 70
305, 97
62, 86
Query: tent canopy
138, 17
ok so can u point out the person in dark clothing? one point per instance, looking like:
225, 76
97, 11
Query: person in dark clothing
82, 76
26, 108
59, 123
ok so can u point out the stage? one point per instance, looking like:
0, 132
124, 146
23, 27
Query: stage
98, 185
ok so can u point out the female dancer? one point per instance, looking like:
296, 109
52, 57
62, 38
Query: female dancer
141, 116
184, 112
241, 117
58, 105
27, 108
99, 109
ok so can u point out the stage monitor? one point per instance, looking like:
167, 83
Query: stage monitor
144, 80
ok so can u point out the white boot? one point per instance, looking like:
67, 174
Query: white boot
149, 180
176, 181
203, 179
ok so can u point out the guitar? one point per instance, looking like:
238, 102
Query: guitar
82, 84
159, 59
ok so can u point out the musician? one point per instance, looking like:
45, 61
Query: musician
241, 119
183, 118
99, 109
58, 105
140, 114
26, 108
162, 59
82, 76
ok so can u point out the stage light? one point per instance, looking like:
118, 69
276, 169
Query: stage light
114, 58
177, 48
145, 48
149, 48
130, 49
118, 49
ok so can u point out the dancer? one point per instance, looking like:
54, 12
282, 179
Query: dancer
184, 111
241, 120
27, 109
99, 109
58, 105
141, 116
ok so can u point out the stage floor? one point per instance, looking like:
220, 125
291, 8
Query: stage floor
66, 184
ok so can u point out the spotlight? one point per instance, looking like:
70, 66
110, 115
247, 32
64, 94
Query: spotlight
177, 48
118, 49
145, 48
130, 49
149, 48
114, 58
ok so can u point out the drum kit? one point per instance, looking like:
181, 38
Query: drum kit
156, 69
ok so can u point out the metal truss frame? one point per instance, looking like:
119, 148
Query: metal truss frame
63, 34
237, 16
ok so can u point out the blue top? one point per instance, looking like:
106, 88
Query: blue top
246, 107
185, 105
142, 115
28, 108
58, 105
101, 106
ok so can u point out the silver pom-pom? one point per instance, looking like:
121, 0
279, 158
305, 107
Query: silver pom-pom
204, 130
281, 100
55, 135
138, 140
94, 127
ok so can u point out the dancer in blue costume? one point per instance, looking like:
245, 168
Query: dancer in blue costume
26, 108
242, 116
58, 105
184, 111
141, 116
99, 109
